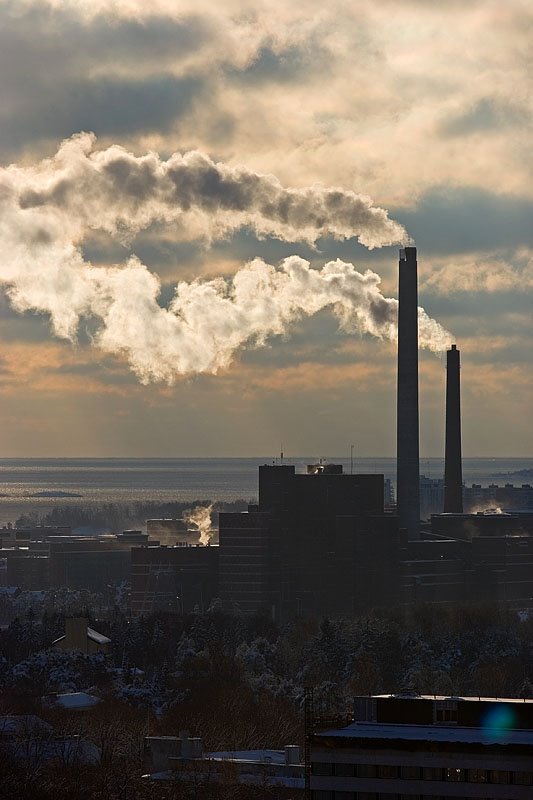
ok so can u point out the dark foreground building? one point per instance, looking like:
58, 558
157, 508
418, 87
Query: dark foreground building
74, 562
417, 747
176, 579
317, 543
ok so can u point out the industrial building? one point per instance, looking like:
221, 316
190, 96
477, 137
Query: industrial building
182, 758
179, 579
481, 570
170, 531
316, 543
476, 498
74, 562
321, 543
425, 746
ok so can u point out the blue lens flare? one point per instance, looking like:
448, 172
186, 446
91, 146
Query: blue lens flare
498, 723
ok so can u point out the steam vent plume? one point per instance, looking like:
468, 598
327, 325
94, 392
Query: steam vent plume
453, 473
407, 445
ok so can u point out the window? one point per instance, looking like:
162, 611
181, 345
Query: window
498, 776
477, 775
454, 774
446, 715
344, 770
410, 773
522, 778
386, 771
432, 773
322, 768
365, 771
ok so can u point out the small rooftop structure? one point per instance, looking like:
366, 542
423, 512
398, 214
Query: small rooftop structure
79, 636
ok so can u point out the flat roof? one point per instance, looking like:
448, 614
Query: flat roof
76, 700
98, 637
430, 733
458, 698
251, 756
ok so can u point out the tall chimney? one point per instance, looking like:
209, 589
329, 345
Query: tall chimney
407, 451
453, 473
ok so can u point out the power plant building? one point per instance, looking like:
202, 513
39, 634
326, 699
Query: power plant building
317, 543
178, 579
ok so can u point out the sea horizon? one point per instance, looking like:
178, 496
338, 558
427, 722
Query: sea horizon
37, 485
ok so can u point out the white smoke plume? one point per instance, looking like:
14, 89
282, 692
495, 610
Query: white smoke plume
45, 212
200, 518
115, 191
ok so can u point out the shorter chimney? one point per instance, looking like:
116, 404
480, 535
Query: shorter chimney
453, 472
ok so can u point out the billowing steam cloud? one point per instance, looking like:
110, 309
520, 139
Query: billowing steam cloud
45, 212
200, 518
115, 191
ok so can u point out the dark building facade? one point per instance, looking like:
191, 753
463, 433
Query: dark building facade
310, 545
72, 562
469, 526
414, 747
177, 579
508, 497
474, 559
93, 563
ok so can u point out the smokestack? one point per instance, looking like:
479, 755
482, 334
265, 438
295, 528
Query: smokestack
407, 451
453, 473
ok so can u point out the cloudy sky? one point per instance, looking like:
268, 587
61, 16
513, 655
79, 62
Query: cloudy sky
196, 200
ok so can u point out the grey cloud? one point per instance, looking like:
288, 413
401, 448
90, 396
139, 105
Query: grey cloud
488, 114
67, 42
108, 107
512, 353
163, 254
453, 219
501, 309
290, 64
61, 73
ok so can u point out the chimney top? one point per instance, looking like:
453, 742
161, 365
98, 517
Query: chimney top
407, 253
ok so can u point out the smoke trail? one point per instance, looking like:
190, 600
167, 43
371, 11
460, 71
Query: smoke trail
207, 322
200, 517
120, 193
45, 211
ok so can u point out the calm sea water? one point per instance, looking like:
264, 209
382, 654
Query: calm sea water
40, 484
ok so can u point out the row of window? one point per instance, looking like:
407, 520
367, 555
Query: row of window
322, 795
455, 774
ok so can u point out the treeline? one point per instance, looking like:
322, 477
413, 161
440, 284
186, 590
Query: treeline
115, 517
197, 663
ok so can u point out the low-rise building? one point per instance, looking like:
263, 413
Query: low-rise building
424, 746
182, 758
